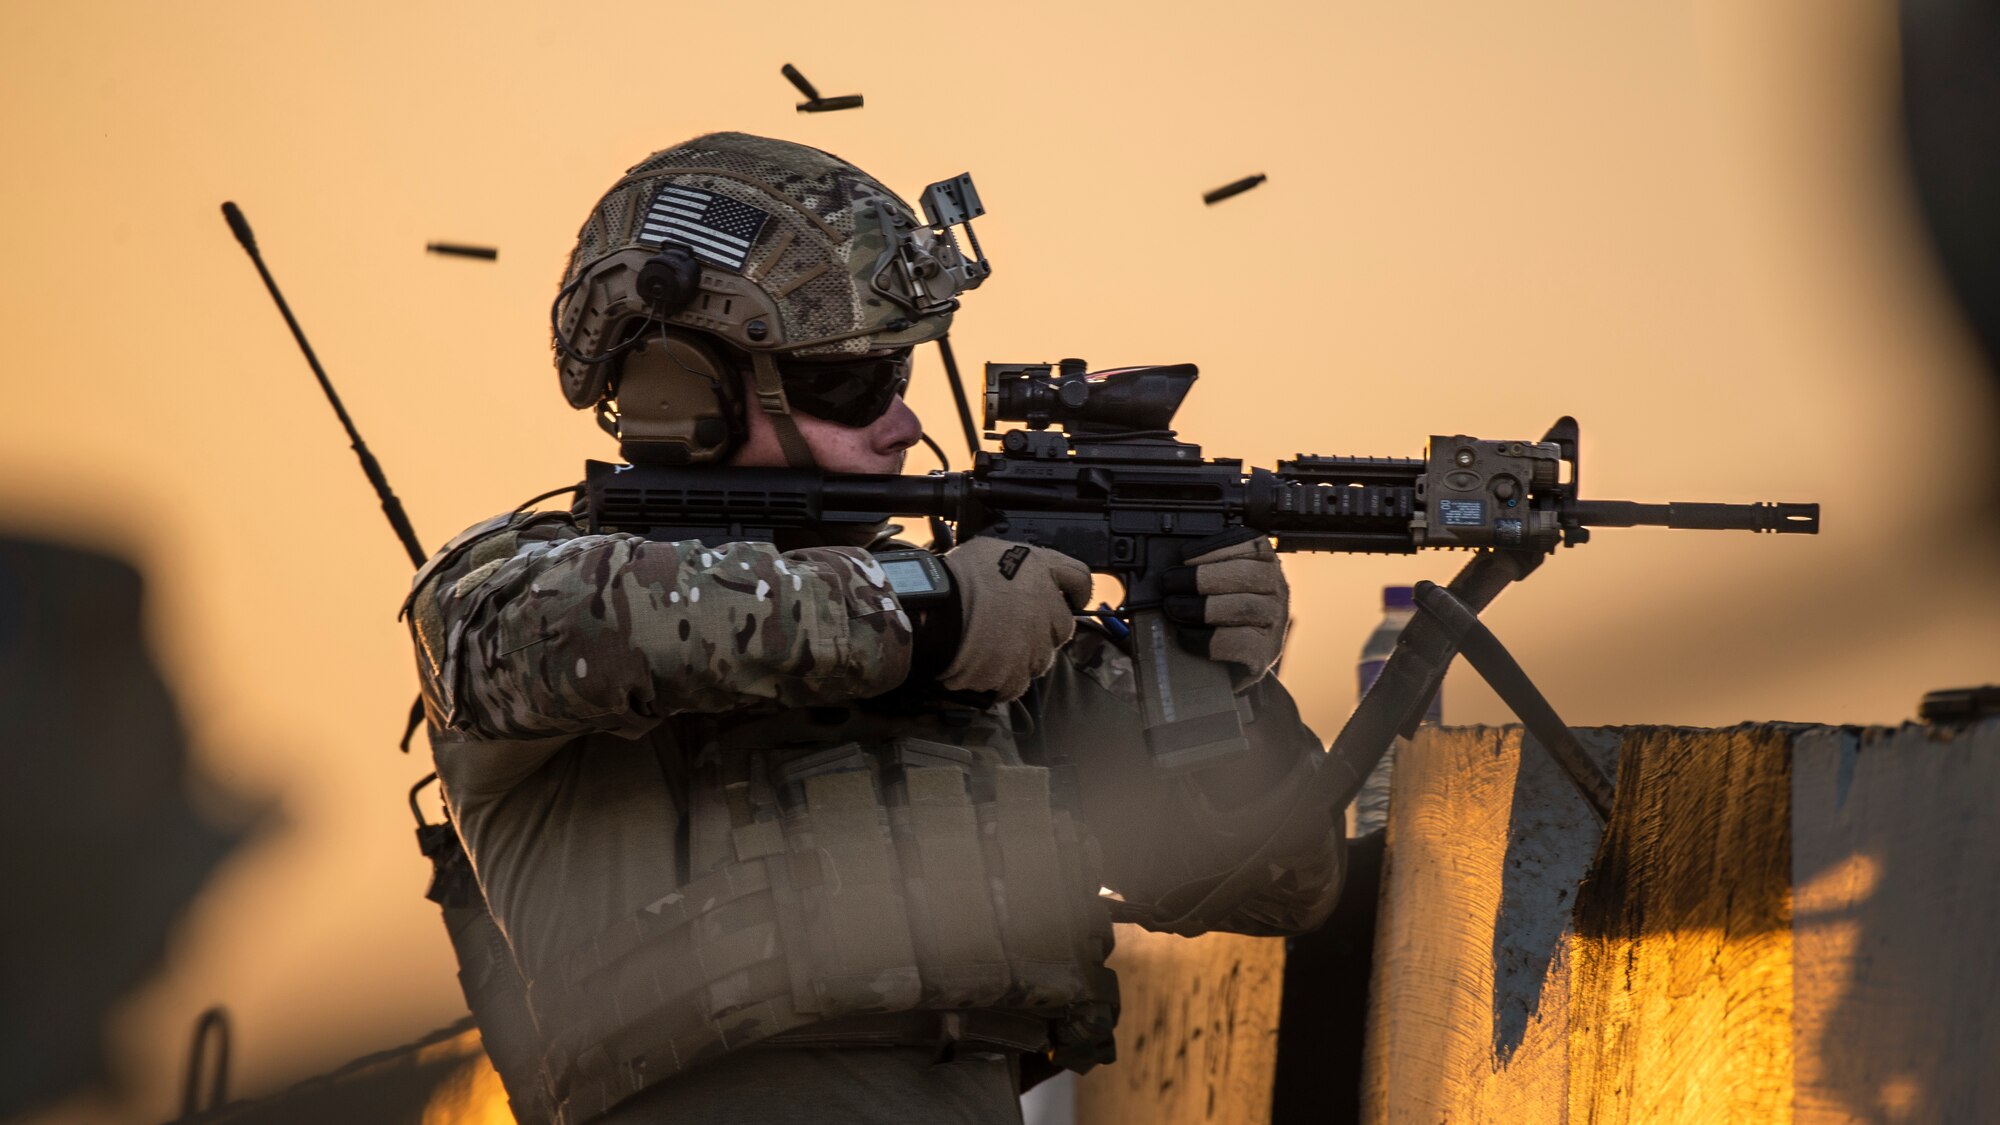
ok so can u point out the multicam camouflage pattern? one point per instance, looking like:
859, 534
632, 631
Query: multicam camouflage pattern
819, 255
536, 629
695, 835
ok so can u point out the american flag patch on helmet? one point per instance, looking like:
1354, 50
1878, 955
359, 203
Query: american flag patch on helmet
718, 229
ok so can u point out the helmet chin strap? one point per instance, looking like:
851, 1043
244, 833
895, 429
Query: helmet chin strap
771, 398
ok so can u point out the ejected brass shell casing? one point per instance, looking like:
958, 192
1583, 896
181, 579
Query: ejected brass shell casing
814, 103
1238, 188
486, 252
823, 105
793, 76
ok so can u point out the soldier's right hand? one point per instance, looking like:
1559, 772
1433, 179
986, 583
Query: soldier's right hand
1016, 609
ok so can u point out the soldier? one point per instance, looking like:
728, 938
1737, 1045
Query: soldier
763, 846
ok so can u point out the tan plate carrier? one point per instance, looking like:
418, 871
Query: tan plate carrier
854, 882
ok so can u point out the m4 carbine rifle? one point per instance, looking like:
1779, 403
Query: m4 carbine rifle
1098, 474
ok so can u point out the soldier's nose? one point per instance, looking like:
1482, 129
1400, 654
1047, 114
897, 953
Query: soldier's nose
898, 429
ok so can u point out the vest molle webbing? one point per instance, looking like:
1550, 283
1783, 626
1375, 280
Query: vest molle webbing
830, 885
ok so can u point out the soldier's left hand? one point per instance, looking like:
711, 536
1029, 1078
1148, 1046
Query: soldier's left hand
1231, 602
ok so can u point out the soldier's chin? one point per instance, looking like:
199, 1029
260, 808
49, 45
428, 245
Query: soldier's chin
859, 464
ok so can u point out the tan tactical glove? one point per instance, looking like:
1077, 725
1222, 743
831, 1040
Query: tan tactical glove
1232, 604
1016, 607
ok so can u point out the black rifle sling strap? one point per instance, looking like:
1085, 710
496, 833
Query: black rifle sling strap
1498, 668
1395, 705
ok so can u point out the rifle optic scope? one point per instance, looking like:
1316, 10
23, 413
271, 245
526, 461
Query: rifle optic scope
1123, 400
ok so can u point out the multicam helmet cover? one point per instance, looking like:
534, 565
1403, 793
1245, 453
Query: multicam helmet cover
801, 253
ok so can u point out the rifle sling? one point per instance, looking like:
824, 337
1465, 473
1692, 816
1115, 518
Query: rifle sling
1499, 669
1395, 704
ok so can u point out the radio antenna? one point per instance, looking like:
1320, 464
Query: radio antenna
391, 507
958, 395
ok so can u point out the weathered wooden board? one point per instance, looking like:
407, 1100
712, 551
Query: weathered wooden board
1780, 923
1197, 1040
1680, 991
1486, 848
1896, 925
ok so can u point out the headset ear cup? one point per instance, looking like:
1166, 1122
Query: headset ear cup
680, 401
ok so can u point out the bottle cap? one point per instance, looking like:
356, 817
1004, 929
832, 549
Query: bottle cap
1399, 597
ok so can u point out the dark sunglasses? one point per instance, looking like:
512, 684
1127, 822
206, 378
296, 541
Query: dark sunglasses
849, 392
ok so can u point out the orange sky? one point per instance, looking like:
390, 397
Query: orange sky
1679, 223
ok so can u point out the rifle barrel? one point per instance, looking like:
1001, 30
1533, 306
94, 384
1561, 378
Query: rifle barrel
1791, 519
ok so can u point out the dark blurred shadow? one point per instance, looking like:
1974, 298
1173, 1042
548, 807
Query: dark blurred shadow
102, 849
1323, 1013
1951, 129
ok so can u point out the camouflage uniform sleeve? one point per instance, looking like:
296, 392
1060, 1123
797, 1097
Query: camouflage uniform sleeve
1162, 834
526, 628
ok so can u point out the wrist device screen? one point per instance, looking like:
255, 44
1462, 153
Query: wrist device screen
917, 577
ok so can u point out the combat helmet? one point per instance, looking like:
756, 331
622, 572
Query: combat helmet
731, 248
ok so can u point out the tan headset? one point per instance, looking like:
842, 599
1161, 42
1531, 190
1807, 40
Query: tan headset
649, 298
678, 401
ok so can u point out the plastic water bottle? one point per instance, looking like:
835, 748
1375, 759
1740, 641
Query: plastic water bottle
1370, 810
